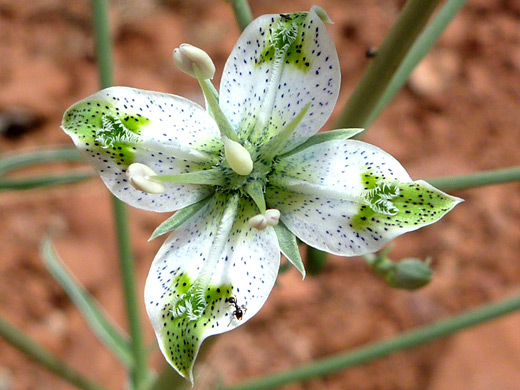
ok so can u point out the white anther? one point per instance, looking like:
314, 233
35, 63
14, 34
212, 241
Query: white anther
272, 216
258, 222
140, 176
237, 157
187, 56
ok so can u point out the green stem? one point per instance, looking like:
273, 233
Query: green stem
419, 49
382, 68
53, 155
243, 13
377, 350
140, 373
479, 179
103, 42
35, 352
31, 182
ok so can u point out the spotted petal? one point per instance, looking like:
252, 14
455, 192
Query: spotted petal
351, 198
266, 84
119, 126
246, 270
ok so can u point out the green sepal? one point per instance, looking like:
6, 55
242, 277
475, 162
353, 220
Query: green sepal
333, 135
102, 326
289, 247
178, 218
255, 190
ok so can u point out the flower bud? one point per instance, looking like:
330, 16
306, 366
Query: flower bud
140, 175
237, 157
410, 274
186, 57
258, 222
272, 216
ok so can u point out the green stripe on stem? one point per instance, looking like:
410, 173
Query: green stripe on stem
243, 13
377, 350
419, 49
382, 68
479, 179
44, 358
140, 374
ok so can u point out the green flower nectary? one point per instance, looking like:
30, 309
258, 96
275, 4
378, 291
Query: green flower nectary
247, 176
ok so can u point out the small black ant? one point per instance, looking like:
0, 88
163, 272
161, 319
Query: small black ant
239, 311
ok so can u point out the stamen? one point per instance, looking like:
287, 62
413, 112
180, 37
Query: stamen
272, 216
186, 57
237, 157
261, 221
140, 177
258, 222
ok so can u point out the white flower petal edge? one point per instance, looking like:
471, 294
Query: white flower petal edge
118, 126
351, 198
266, 84
245, 270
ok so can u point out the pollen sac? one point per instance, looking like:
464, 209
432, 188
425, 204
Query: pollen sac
237, 157
272, 217
187, 57
258, 222
140, 176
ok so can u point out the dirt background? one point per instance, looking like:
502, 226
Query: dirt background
459, 114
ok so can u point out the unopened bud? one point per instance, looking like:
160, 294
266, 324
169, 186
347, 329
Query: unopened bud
186, 57
258, 222
272, 216
237, 157
410, 274
140, 176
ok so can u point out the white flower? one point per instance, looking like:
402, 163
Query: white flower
247, 176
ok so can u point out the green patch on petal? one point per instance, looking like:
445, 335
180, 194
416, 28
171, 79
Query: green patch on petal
98, 124
186, 320
287, 37
401, 205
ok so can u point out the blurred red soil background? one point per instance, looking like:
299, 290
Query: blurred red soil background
458, 114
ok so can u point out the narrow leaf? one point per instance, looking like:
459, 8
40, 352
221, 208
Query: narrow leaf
28, 183
97, 319
289, 247
178, 218
340, 134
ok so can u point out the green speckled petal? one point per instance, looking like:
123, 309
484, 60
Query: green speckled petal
263, 83
246, 270
119, 126
352, 198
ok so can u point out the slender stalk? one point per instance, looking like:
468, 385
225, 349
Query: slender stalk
479, 179
390, 55
103, 42
27, 183
41, 356
11, 162
377, 350
419, 49
140, 373
242, 12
